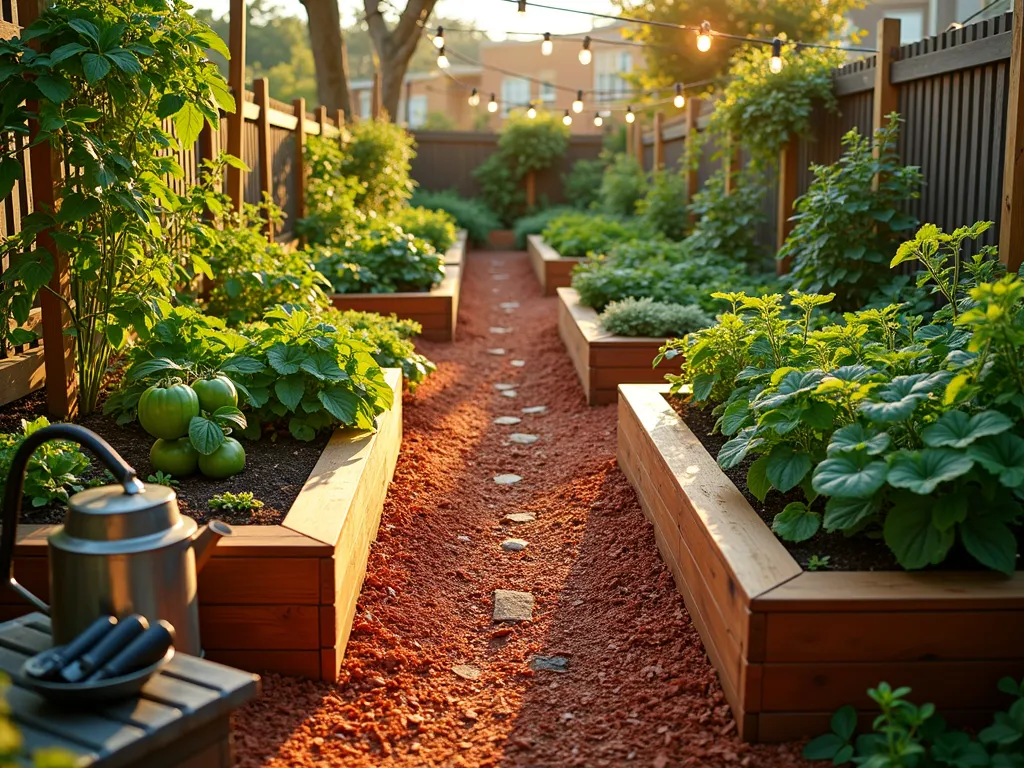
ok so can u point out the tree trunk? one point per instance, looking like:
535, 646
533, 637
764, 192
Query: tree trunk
396, 46
329, 54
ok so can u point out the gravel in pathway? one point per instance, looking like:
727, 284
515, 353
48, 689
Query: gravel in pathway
429, 679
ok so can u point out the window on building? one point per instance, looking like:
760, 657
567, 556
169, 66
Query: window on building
911, 23
515, 92
548, 94
610, 70
417, 111
364, 103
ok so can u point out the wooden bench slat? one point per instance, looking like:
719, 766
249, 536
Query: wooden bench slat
32, 739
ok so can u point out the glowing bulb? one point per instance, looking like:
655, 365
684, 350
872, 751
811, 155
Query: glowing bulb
492, 105
577, 106
630, 117
585, 55
679, 100
704, 37
547, 46
474, 98
531, 112
567, 119
775, 63
442, 60
522, 8
597, 120
439, 38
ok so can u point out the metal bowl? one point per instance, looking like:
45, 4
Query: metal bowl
113, 689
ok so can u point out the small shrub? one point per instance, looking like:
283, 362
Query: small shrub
331, 211
436, 227
582, 184
238, 503
471, 215
54, 471
575, 235
647, 317
622, 186
727, 224
391, 340
536, 223
663, 210
377, 154
385, 260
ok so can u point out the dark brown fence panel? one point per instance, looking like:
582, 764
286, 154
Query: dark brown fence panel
284, 178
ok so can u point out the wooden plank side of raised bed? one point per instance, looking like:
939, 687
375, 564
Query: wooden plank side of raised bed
551, 269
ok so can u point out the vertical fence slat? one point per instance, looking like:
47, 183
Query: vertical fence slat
1011, 235
299, 106
886, 94
789, 173
236, 81
261, 89
659, 144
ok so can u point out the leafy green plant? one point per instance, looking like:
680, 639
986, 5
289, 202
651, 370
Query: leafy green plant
577, 234
238, 503
905, 735
471, 215
623, 185
97, 90
384, 260
845, 228
726, 224
818, 563
536, 223
163, 478
54, 471
391, 340
377, 153
660, 209
436, 227
332, 212
646, 317
582, 184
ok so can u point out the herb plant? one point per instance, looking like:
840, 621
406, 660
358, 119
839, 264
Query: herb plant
575, 234
471, 215
646, 317
436, 227
54, 471
162, 478
234, 502
376, 153
384, 260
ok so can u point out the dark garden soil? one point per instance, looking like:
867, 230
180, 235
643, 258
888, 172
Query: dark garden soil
638, 688
274, 471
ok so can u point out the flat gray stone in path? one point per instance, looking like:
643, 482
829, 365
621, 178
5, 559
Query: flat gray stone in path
496, 351
500, 277
549, 664
510, 393
518, 363
521, 439
467, 671
507, 479
507, 421
536, 409
509, 305
503, 387
521, 517
514, 545
510, 605
499, 330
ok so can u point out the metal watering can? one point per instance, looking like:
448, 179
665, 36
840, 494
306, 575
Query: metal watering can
123, 549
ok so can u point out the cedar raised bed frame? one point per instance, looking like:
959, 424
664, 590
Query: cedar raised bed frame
552, 270
437, 310
792, 646
603, 360
281, 598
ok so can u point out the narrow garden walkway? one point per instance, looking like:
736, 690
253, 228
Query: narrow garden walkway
429, 677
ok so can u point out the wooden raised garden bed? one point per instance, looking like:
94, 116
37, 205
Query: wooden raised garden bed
437, 310
281, 598
552, 270
603, 360
792, 646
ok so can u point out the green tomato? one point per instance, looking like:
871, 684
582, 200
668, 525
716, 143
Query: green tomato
227, 460
165, 412
175, 457
216, 393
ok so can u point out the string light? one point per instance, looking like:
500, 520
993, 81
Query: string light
704, 37
442, 59
522, 7
630, 117
567, 118
597, 119
439, 38
585, 55
474, 98
679, 100
547, 46
577, 106
531, 112
492, 105
775, 63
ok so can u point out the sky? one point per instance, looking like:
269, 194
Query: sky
492, 16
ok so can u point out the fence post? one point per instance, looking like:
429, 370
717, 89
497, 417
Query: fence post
1011, 220
638, 140
789, 171
299, 107
659, 146
321, 118
731, 163
886, 93
375, 97
692, 172
261, 88
58, 348
339, 118
236, 81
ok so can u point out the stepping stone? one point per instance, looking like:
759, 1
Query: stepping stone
518, 363
549, 664
466, 671
496, 351
503, 387
514, 545
510, 605
507, 479
500, 277
464, 538
510, 393
522, 439
499, 330
536, 409
509, 305
507, 421
521, 517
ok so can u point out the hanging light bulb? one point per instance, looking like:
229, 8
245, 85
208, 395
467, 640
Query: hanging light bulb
577, 106
597, 119
704, 37
775, 63
492, 105
585, 55
442, 59
439, 38
531, 112
522, 8
630, 117
474, 98
547, 46
567, 118
679, 100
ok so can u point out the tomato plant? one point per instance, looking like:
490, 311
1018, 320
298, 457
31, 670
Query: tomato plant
215, 392
226, 460
174, 457
166, 409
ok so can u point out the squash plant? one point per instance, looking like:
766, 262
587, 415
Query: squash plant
97, 80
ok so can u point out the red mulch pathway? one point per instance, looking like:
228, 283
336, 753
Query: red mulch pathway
639, 689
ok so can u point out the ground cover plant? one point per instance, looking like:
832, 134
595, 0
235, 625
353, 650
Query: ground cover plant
647, 317
889, 426
381, 260
576, 235
471, 215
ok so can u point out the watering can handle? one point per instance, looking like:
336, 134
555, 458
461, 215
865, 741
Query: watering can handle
11, 510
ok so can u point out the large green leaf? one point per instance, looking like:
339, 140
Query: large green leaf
205, 435
922, 471
734, 451
289, 390
10, 174
703, 384
857, 437
757, 478
786, 467
796, 522
285, 358
850, 476
148, 368
791, 385
913, 538
898, 399
950, 509
843, 514
340, 403
54, 88
955, 429
188, 124
990, 542
324, 367
95, 67
1003, 456
820, 416
734, 417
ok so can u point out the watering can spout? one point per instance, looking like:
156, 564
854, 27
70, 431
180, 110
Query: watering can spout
205, 541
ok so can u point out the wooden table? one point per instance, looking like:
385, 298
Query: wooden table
182, 717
